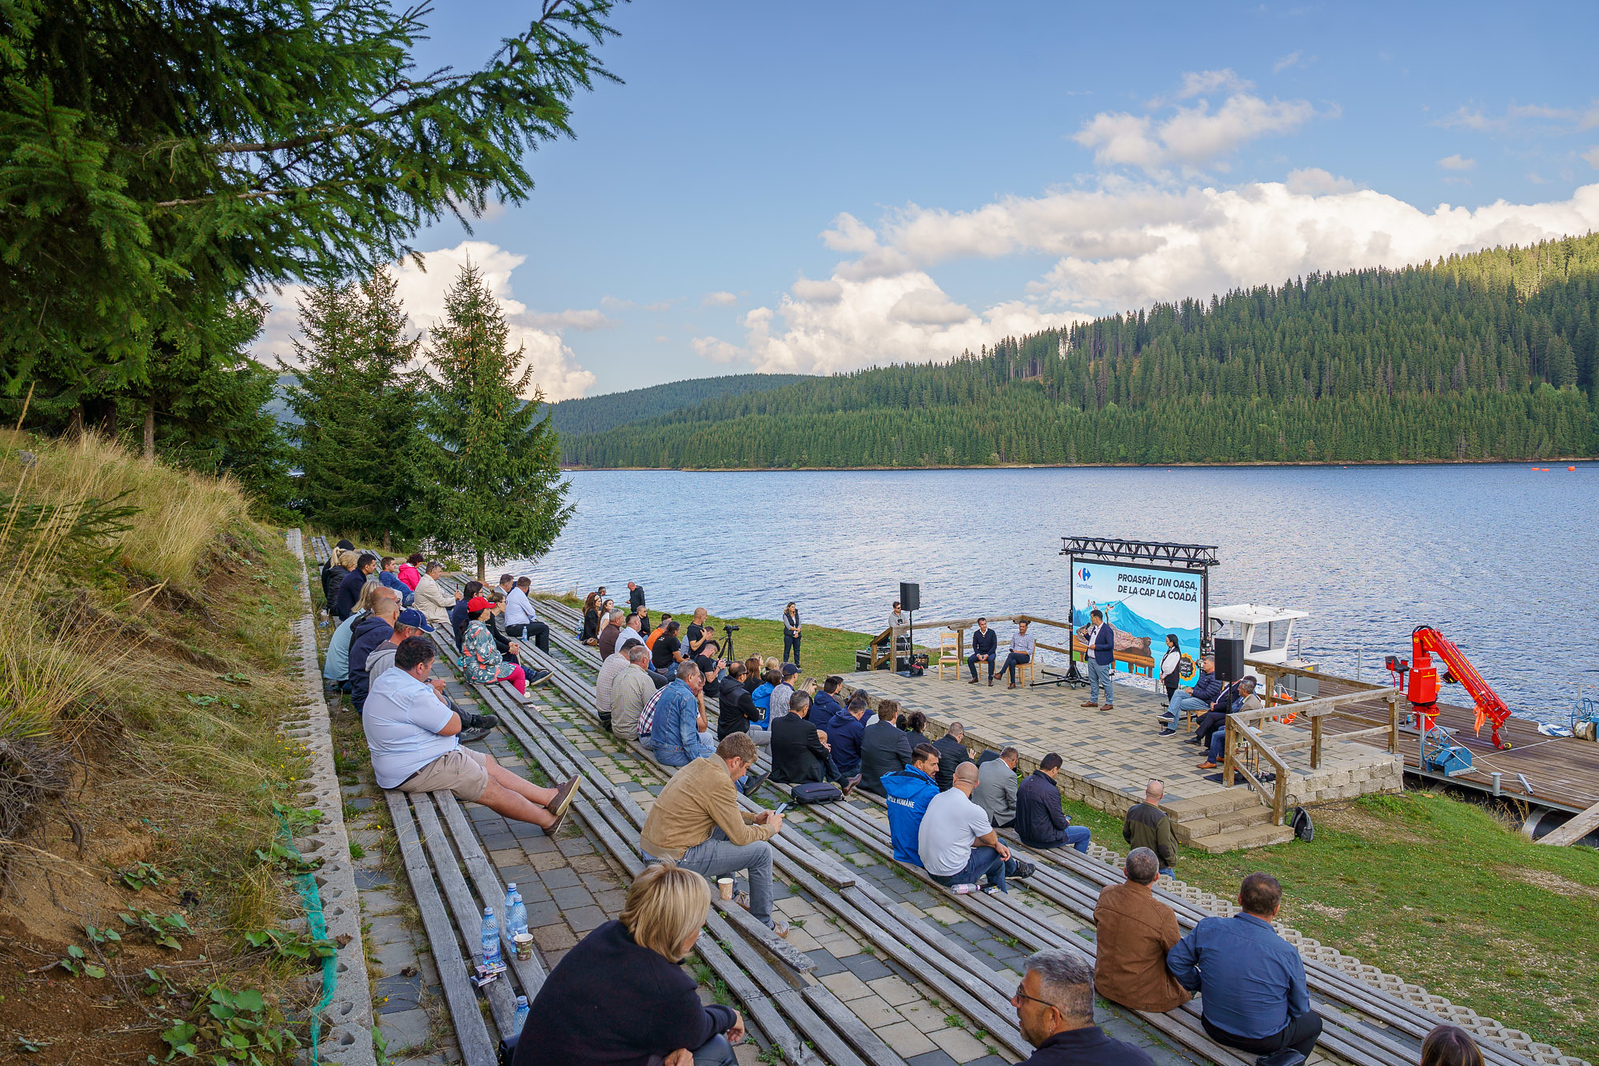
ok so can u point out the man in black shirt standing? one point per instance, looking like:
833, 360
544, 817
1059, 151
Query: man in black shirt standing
635, 601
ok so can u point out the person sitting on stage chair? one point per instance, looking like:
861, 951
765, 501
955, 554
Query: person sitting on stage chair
1021, 651
1197, 697
984, 643
1247, 701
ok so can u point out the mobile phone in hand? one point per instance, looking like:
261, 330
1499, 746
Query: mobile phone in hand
783, 808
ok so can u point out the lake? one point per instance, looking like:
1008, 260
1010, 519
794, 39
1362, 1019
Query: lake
1495, 556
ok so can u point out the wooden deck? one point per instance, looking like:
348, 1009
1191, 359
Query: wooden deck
1563, 772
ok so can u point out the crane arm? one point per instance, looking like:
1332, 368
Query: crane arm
1425, 642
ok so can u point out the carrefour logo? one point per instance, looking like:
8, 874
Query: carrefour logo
1082, 574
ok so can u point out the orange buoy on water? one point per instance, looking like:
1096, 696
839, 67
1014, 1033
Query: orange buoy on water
1571, 468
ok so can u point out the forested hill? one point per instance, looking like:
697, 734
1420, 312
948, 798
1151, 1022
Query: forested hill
1483, 356
595, 414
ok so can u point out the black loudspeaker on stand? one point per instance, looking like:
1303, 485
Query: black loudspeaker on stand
910, 601
1229, 659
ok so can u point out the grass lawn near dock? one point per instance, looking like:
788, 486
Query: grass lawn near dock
1434, 889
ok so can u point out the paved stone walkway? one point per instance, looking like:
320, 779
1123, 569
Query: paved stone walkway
1109, 756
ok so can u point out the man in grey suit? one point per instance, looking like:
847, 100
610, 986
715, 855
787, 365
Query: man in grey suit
885, 749
996, 788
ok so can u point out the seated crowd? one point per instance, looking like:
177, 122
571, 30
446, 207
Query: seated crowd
621, 995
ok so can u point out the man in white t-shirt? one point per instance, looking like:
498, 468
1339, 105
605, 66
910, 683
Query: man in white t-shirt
412, 735
521, 620
630, 633
958, 845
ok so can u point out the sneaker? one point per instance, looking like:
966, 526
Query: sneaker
1168, 732
538, 677
990, 890
781, 929
753, 783
962, 890
1023, 869
561, 805
742, 898
1167, 716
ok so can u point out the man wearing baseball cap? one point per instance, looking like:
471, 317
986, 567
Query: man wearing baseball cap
411, 623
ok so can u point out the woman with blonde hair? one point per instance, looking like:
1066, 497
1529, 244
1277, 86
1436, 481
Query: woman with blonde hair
621, 995
1450, 1045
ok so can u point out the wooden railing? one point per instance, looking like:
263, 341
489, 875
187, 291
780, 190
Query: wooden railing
1244, 727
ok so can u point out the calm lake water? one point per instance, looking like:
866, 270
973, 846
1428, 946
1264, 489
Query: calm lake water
1500, 558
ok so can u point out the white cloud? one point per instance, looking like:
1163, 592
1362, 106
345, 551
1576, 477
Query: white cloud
820, 292
1118, 246
1524, 118
1204, 82
1457, 162
1591, 156
1289, 60
421, 291
848, 234
1314, 181
903, 318
1193, 137
719, 299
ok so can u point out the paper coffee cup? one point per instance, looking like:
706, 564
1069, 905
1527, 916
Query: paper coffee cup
524, 946
725, 886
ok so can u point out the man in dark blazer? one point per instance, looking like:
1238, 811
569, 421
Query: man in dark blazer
985, 642
1101, 657
885, 748
951, 753
799, 750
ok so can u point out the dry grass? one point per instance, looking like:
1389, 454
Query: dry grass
181, 513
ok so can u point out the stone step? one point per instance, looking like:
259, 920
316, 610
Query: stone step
1255, 836
1227, 822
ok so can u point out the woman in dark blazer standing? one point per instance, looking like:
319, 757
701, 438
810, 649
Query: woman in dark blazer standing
791, 633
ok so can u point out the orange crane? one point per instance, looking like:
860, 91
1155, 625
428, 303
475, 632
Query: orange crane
1425, 642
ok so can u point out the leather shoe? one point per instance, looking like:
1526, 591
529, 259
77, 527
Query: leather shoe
1206, 765
1088, 703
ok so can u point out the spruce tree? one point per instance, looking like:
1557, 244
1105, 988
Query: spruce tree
489, 460
324, 398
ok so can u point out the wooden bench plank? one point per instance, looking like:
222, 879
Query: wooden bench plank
471, 1032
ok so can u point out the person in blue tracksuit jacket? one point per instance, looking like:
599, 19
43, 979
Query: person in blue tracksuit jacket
909, 792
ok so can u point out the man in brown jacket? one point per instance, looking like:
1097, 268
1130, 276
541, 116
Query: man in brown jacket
696, 820
1135, 930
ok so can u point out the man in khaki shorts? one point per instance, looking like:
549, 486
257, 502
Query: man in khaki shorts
412, 736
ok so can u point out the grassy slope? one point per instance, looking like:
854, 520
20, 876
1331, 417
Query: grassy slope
1433, 889
179, 767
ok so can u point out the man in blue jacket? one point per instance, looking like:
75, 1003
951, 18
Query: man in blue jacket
1251, 981
844, 735
1101, 660
1197, 697
909, 792
1040, 822
677, 734
985, 642
824, 704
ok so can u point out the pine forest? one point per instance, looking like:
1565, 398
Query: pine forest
1477, 357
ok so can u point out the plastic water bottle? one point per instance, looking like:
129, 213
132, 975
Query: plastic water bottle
515, 911
521, 1014
491, 938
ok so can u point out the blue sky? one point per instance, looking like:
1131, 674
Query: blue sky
825, 186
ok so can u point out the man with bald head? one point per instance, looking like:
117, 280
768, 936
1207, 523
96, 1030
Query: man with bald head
1134, 931
958, 845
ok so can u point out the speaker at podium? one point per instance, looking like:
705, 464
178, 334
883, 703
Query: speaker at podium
1229, 652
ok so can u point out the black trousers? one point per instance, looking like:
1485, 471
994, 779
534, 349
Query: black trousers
1300, 1035
537, 630
791, 646
1208, 723
971, 661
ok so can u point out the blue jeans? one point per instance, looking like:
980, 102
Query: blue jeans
1101, 675
1182, 701
1218, 744
714, 1052
985, 862
680, 757
720, 857
1167, 870
1077, 838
